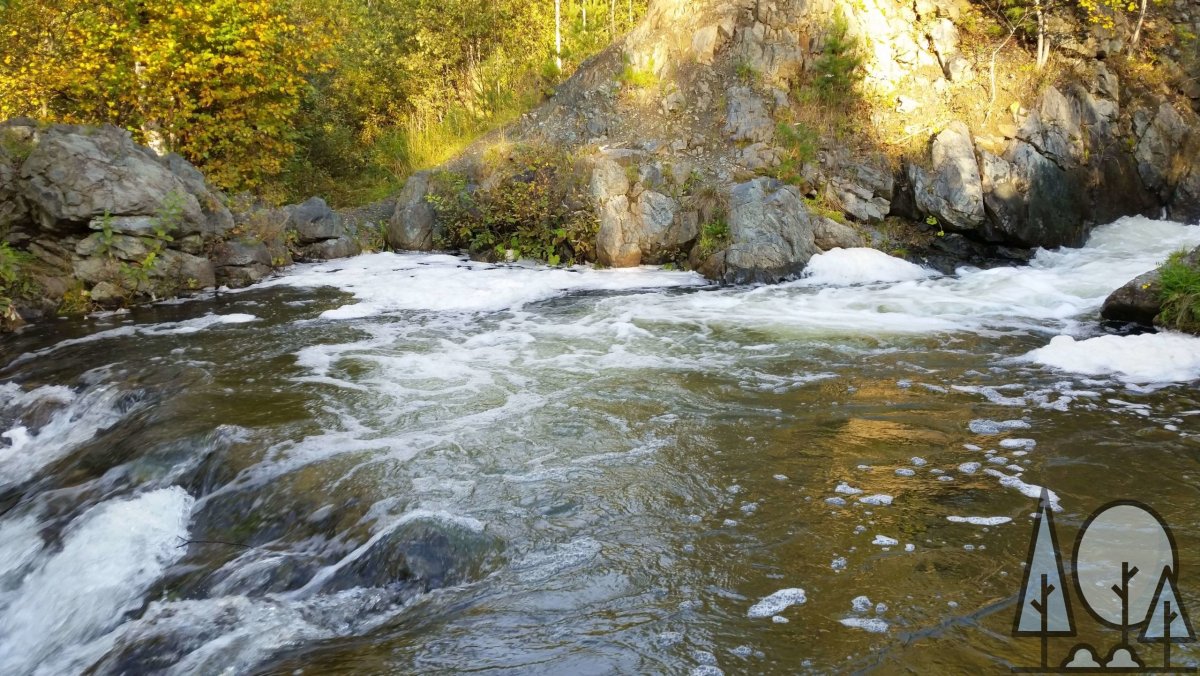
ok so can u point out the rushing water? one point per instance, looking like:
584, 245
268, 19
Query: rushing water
418, 464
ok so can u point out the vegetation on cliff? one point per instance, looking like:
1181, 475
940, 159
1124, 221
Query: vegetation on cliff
294, 97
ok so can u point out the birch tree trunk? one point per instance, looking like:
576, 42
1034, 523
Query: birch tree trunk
558, 34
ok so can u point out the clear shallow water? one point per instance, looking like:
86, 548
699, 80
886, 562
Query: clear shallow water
403, 463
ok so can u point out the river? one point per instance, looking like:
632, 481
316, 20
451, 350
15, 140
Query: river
413, 463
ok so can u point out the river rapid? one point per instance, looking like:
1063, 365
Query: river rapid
414, 463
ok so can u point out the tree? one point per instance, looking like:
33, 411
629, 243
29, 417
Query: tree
219, 81
1044, 610
1166, 621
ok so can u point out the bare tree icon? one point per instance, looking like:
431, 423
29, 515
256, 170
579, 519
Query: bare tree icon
1044, 609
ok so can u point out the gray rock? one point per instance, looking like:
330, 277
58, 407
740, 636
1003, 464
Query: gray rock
237, 252
72, 176
238, 276
1055, 129
329, 249
829, 234
771, 233
608, 179
1137, 301
616, 245
313, 221
660, 230
1157, 147
12, 205
746, 116
707, 41
1032, 202
952, 191
412, 223
108, 295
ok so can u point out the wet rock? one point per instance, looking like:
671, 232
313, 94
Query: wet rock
411, 225
771, 233
952, 190
1137, 301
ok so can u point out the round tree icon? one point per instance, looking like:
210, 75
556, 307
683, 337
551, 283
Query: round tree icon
1120, 557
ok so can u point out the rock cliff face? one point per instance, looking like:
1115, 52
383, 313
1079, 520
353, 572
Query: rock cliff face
104, 221
949, 131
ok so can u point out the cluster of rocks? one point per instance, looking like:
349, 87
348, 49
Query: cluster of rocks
111, 222
1081, 153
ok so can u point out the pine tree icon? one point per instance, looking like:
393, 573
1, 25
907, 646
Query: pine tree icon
1044, 609
1166, 621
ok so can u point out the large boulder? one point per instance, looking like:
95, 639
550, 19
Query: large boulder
74, 175
1031, 201
1168, 158
320, 232
771, 233
1137, 301
951, 191
412, 222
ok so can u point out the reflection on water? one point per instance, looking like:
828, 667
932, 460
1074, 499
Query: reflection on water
586, 473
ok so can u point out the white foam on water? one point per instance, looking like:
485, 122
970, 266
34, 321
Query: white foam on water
872, 625
110, 556
1049, 295
980, 520
860, 265
860, 604
1145, 359
389, 282
84, 414
777, 602
163, 329
1028, 490
879, 500
885, 541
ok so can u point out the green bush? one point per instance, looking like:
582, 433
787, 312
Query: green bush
1180, 295
14, 283
526, 209
640, 78
799, 144
714, 236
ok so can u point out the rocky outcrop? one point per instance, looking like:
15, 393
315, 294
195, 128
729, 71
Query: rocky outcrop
105, 221
411, 224
951, 191
639, 221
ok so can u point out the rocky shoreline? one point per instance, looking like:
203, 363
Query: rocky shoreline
694, 141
